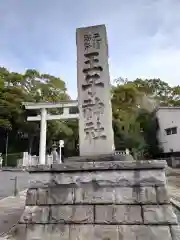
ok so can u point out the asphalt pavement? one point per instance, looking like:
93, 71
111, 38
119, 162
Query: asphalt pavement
7, 184
11, 209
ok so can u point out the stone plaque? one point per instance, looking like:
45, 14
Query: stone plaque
95, 112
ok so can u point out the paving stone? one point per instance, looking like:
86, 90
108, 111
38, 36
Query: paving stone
125, 195
90, 194
106, 232
139, 232
122, 195
60, 195
72, 166
73, 214
56, 232
81, 232
109, 178
159, 214
130, 165
35, 231
41, 180
150, 178
145, 195
35, 214
118, 214
31, 197
175, 231
162, 195
42, 196
100, 164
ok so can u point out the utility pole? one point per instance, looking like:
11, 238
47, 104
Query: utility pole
7, 140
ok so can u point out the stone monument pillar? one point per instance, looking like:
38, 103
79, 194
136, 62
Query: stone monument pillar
95, 121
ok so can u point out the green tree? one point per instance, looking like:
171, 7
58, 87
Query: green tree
134, 125
31, 86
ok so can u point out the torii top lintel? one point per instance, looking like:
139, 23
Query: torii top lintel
41, 105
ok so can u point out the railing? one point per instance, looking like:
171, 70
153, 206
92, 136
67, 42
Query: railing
29, 160
122, 153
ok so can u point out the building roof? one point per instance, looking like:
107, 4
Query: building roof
166, 108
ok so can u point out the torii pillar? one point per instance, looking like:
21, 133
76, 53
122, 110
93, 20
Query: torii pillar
43, 129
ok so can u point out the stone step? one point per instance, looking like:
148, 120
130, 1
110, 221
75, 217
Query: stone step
95, 232
90, 194
100, 214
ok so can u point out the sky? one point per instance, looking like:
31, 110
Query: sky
143, 37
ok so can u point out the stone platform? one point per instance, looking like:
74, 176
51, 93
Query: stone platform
98, 201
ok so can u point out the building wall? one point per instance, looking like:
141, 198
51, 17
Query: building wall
169, 118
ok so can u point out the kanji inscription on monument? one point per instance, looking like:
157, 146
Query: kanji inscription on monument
95, 121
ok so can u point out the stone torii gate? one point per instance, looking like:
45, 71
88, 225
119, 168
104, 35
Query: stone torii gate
44, 117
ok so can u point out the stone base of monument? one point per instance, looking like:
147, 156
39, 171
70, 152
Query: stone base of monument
99, 158
98, 201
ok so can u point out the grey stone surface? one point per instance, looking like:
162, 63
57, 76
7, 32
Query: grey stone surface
56, 232
100, 158
73, 213
95, 232
60, 195
95, 200
90, 194
150, 177
72, 166
99, 165
175, 231
144, 195
40, 232
31, 198
162, 195
35, 231
138, 232
35, 214
110, 178
130, 165
92, 144
47, 232
123, 214
42, 196
120, 178
40, 180
119, 195
81, 232
159, 214
108, 232
125, 195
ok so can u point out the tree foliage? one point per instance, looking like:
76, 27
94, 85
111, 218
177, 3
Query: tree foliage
16, 88
134, 122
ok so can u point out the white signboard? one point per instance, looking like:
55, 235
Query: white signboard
95, 119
